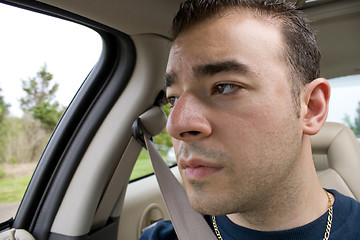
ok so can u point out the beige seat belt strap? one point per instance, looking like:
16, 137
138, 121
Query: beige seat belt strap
188, 223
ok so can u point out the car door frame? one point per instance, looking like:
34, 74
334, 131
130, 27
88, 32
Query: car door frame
77, 126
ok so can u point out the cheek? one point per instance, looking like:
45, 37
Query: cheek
247, 118
250, 130
265, 113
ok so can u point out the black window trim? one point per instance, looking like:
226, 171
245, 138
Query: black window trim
77, 126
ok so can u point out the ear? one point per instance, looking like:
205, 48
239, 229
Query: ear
316, 102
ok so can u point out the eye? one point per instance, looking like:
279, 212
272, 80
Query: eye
224, 88
172, 100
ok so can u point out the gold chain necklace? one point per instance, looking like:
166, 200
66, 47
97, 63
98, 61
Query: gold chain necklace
328, 224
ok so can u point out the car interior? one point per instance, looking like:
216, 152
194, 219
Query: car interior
336, 156
80, 188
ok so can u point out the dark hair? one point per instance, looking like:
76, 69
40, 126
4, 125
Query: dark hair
301, 54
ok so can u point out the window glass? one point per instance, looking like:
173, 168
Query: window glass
345, 102
43, 60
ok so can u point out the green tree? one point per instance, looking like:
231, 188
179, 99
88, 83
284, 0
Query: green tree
4, 108
4, 111
355, 126
164, 138
40, 98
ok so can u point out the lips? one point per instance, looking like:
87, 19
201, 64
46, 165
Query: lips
197, 173
195, 169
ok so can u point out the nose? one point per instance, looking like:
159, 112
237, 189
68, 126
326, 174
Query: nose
188, 119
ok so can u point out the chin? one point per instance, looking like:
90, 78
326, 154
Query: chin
209, 210
208, 205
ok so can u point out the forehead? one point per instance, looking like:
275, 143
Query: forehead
237, 35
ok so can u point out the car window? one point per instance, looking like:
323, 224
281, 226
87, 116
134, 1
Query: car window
345, 102
44, 61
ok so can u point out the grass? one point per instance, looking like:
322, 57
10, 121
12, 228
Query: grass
13, 189
142, 166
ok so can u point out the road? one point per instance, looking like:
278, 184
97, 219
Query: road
8, 210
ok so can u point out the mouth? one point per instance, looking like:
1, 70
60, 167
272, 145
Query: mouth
197, 169
200, 172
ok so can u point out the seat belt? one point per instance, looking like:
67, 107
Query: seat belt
188, 223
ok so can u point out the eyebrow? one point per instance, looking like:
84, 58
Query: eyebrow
210, 69
230, 66
170, 79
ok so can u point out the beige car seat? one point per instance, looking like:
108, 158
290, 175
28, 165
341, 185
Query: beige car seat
336, 153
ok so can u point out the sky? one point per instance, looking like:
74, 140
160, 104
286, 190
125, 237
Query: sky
344, 98
30, 40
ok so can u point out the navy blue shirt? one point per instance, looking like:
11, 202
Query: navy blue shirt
345, 225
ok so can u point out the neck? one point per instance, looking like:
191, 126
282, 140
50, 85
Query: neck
299, 201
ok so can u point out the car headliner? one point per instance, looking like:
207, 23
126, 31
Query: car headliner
335, 22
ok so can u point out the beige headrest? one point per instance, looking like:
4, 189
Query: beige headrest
336, 153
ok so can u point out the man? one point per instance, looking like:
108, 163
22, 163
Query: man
243, 82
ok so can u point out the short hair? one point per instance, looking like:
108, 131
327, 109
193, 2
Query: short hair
301, 53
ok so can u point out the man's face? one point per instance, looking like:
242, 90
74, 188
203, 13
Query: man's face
235, 132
